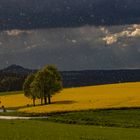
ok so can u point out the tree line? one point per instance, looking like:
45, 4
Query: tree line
43, 84
11, 81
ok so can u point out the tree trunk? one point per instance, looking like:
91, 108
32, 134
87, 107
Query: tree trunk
49, 99
41, 101
33, 102
45, 100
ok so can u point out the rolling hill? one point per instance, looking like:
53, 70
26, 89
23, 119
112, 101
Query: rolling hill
84, 98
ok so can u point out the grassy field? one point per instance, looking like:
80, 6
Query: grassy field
84, 98
128, 118
40, 130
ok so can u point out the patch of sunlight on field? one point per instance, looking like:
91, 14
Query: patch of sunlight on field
14, 100
92, 97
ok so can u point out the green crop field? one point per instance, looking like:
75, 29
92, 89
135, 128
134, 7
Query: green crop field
44, 130
128, 118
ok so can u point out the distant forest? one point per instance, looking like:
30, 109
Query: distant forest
11, 81
12, 78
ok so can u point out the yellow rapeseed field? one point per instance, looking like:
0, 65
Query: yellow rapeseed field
74, 99
15, 101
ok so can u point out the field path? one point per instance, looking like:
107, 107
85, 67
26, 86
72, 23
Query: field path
20, 118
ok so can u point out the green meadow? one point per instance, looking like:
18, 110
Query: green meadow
45, 130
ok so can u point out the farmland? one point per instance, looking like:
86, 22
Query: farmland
36, 130
88, 113
125, 118
83, 98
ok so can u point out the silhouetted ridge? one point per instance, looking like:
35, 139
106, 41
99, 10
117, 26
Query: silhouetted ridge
16, 69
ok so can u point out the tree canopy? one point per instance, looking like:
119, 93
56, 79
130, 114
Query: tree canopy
43, 84
27, 87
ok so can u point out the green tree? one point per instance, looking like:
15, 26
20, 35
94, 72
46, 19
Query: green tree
55, 81
47, 82
27, 88
36, 88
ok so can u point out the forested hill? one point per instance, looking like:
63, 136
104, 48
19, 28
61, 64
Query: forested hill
12, 78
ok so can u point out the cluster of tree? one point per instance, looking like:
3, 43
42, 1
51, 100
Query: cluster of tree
43, 84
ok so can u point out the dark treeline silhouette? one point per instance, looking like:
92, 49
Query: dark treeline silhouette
99, 77
12, 78
11, 81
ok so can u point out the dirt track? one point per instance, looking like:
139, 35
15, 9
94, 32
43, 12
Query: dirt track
20, 118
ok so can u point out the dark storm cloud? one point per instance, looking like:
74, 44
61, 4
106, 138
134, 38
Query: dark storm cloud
30, 14
87, 47
73, 34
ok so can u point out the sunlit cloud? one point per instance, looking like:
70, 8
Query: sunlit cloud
16, 32
111, 38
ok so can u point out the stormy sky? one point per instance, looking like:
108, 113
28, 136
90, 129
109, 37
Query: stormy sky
72, 34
